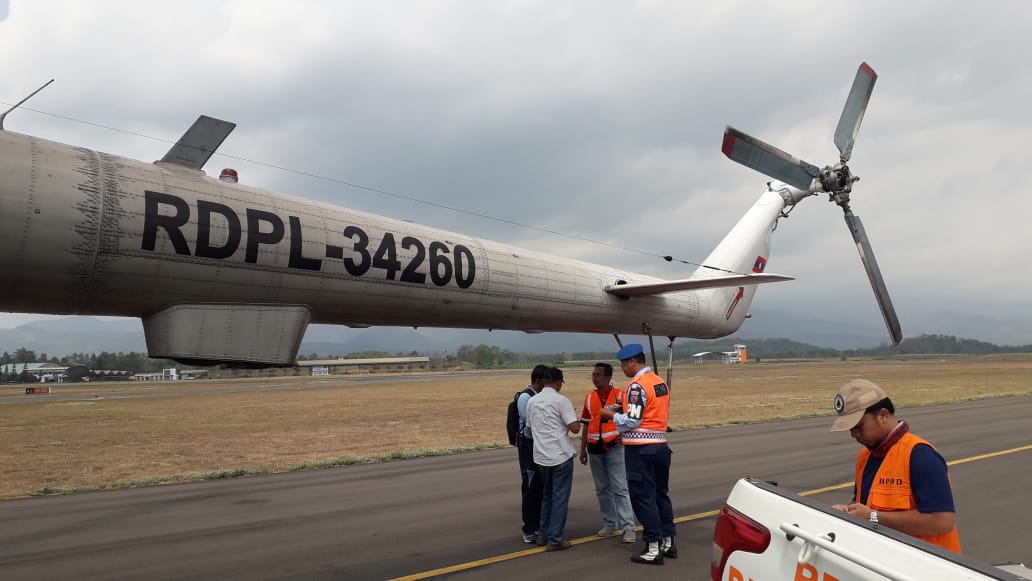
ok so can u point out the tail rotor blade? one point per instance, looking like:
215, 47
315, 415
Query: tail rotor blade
853, 112
768, 160
881, 293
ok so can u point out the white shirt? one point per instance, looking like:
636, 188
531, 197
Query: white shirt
549, 416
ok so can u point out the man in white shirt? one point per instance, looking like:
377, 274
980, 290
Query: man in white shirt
551, 418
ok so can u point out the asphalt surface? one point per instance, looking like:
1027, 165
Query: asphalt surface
457, 517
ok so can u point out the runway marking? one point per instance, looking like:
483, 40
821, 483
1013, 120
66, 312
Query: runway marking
990, 455
697, 516
953, 463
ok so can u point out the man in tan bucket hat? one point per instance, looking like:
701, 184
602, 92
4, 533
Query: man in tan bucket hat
901, 480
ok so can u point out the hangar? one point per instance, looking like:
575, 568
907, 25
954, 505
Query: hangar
41, 371
382, 364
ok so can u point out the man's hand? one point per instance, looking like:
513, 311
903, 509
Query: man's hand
856, 509
911, 522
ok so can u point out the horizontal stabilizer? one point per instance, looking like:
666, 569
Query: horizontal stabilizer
199, 143
670, 286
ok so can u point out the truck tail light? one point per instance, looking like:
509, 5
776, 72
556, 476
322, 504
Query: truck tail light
735, 532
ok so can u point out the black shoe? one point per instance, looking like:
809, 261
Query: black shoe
671, 551
643, 560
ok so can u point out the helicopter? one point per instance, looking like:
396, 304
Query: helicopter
223, 272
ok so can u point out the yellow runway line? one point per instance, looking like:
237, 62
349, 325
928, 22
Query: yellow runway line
697, 516
990, 455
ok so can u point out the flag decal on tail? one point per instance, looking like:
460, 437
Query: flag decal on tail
760, 264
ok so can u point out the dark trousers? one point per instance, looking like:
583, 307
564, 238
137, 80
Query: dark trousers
648, 478
532, 486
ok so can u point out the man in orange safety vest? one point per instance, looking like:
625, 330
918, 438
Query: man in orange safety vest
901, 480
601, 443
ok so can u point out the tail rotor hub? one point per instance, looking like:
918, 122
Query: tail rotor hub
838, 181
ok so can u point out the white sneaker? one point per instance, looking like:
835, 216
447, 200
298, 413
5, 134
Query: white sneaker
629, 536
608, 531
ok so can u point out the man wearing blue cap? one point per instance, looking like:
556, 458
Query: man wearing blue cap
642, 422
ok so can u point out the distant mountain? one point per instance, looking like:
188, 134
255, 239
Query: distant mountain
60, 336
774, 323
333, 340
1014, 330
867, 333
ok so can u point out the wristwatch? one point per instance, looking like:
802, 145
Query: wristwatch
874, 516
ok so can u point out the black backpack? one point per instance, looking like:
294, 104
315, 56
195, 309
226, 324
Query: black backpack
512, 417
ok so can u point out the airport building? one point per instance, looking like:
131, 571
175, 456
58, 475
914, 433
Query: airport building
56, 373
381, 365
41, 371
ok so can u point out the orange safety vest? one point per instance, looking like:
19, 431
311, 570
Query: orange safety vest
594, 404
890, 489
652, 429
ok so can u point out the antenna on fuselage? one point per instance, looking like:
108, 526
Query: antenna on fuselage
16, 105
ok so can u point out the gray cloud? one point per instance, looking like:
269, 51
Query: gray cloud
593, 118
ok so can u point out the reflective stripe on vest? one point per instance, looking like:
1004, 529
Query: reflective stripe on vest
594, 405
890, 489
638, 437
652, 429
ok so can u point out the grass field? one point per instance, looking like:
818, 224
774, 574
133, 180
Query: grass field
213, 428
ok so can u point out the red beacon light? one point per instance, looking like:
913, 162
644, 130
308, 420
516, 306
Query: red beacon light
229, 175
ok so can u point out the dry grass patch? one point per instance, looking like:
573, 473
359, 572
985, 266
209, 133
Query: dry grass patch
203, 432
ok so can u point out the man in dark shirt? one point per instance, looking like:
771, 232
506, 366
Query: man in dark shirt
901, 480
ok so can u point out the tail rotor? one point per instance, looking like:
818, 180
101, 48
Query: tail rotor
836, 180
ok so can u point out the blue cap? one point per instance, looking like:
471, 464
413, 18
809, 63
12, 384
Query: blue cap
630, 351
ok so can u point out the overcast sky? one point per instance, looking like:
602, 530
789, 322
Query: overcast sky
599, 119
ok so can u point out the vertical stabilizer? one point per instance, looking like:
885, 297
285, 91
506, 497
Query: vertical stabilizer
744, 250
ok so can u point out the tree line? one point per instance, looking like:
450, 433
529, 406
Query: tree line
132, 362
778, 348
479, 356
488, 356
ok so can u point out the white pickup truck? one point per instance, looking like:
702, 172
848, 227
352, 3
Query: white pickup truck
767, 533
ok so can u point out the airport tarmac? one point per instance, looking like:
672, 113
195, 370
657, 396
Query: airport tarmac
457, 517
